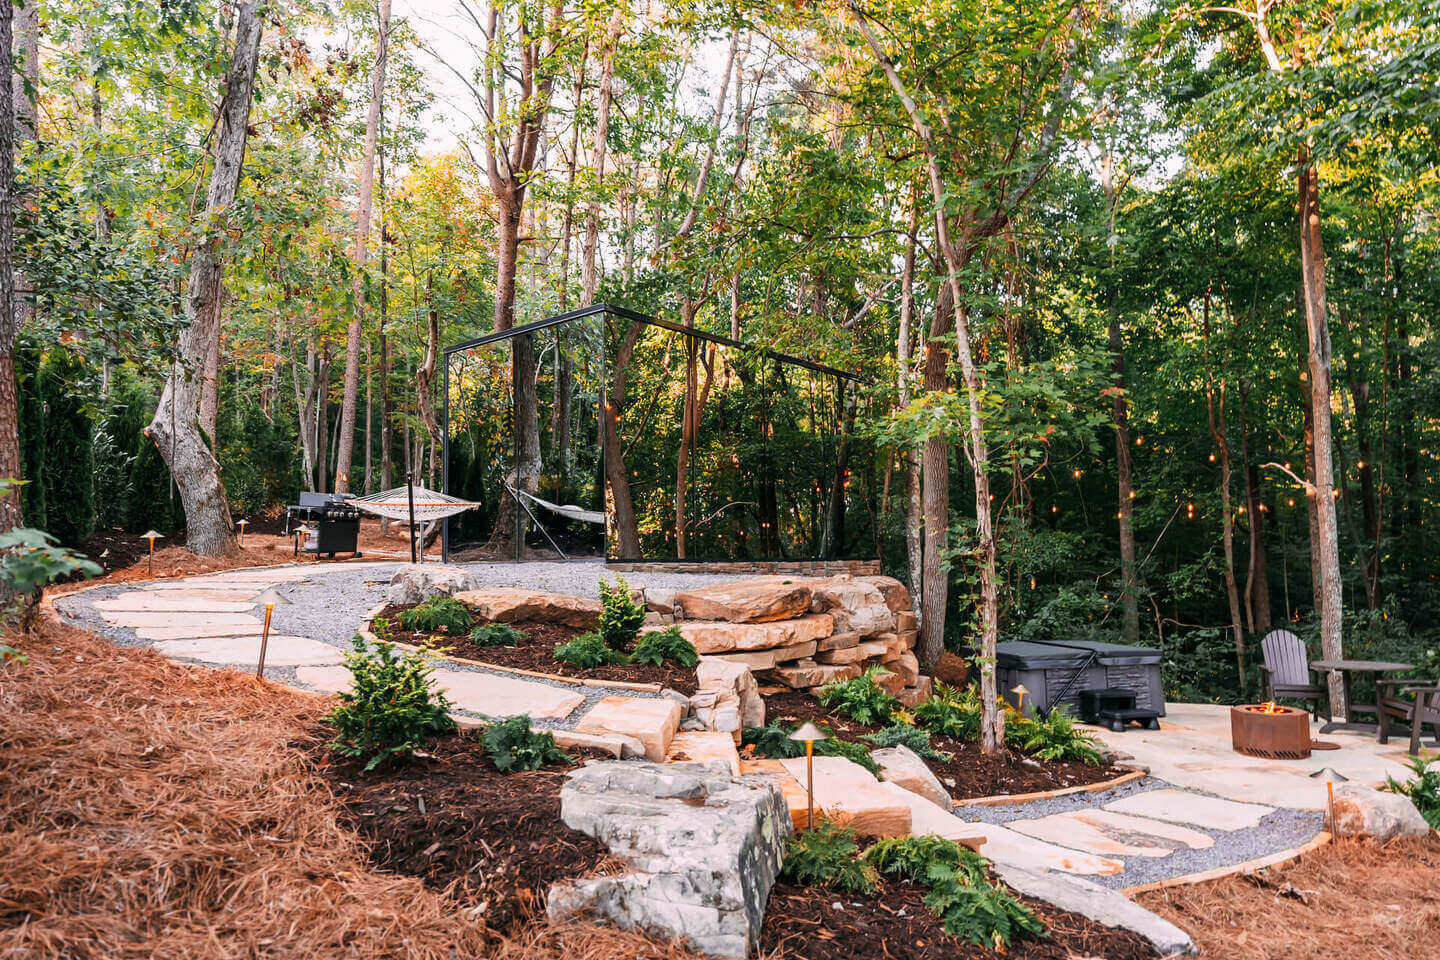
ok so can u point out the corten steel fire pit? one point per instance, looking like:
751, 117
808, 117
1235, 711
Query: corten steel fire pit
1270, 731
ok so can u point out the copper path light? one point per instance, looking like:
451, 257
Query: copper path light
152, 536
809, 733
270, 599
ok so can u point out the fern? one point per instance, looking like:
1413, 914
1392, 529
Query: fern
826, 856
860, 698
1423, 791
774, 741
657, 646
437, 615
854, 752
587, 652
1052, 737
951, 713
496, 635
915, 739
512, 745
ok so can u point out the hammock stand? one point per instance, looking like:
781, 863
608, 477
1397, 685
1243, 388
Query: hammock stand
410, 501
568, 511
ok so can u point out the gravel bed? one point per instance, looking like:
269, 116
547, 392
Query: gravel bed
1281, 830
328, 604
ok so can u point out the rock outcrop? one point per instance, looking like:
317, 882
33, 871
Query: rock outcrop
513, 605
904, 768
746, 601
1363, 812
702, 850
418, 582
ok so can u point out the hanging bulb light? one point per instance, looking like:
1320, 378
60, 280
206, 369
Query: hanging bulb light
1189, 511
1054, 509
1212, 458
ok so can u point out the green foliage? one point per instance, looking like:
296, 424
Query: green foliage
69, 472
915, 739
391, 709
773, 741
496, 635
860, 698
825, 856
31, 560
951, 713
151, 502
657, 646
850, 750
436, 615
589, 651
1423, 791
620, 615
512, 745
961, 894
31, 412
1051, 737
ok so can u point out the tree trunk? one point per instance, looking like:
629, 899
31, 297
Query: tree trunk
1312, 278
210, 380
1126, 483
1218, 432
192, 463
914, 507
935, 483
589, 276
350, 398
1257, 582
622, 508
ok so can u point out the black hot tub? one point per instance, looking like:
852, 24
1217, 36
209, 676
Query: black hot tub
1047, 670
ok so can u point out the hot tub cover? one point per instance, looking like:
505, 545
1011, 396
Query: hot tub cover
1040, 655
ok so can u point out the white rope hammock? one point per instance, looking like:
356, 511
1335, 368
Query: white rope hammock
568, 510
429, 504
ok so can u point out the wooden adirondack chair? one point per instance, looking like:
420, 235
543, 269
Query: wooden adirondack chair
1286, 672
1422, 708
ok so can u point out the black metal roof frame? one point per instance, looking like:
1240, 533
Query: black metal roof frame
601, 308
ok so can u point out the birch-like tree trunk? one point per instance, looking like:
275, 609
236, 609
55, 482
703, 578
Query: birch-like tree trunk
365, 201
175, 426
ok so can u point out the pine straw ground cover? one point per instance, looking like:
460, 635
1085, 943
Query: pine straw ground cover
1351, 898
149, 809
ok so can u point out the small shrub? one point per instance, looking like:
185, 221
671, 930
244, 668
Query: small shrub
437, 615
773, 741
620, 615
30, 560
496, 635
951, 713
380, 626
512, 745
391, 709
860, 698
587, 652
657, 646
914, 738
825, 856
961, 894
1423, 791
1051, 737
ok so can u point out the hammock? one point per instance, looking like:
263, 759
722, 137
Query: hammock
430, 505
569, 511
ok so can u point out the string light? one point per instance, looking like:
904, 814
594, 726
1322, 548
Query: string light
1078, 471
1189, 511
1291, 501
1054, 509
1139, 441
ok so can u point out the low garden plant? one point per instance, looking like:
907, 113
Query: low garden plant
916, 739
496, 635
827, 856
512, 745
587, 651
437, 615
657, 646
951, 713
1052, 737
391, 709
620, 616
773, 741
961, 894
1423, 791
860, 698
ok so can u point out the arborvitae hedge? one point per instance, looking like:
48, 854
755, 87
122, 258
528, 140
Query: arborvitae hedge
148, 503
32, 436
69, 466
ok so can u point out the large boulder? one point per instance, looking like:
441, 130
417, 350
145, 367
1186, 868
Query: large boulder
897, 595
727, 676
856, 606
724, 637
514, 605
702, 850
760, 600
1363, 812
419, 582
903, 767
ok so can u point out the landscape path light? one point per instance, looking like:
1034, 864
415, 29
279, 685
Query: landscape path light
241, 525
1331, 776
152, 536
809, 733
301, 532
1020, 690
270, 599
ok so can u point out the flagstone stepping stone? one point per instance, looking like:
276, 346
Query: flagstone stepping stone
746, 601
930, 819
652, 722
1004, 845
197, 630
281, 651
720, 637
851, 793
704, 746
1181, 806
487, 694
209, 592
791, 789
140, 603
1073, 830
1123, 826
176, 618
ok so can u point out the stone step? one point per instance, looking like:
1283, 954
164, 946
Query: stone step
197, 630
141, 603
1182, 806
1073, 829
487, 694
1123, 826
1003, 845
132, 618
849, 793
651, 721
930, 819
790, 788
704, 746
244, 651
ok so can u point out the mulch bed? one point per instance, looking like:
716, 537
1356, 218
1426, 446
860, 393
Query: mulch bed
450, 818
812, 923
536, 651
970, 774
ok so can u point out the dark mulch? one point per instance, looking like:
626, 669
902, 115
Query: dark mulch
812, 923
536, 651
450, 817
970, 774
